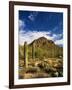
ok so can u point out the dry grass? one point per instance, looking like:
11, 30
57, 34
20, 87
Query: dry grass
51, 67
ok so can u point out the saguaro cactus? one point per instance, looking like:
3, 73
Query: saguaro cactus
33, 51
25, 54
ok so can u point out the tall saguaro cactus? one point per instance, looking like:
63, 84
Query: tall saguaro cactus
25, 55
33, 51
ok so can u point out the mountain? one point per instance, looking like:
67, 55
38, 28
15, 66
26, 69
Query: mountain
42, 41
43, 48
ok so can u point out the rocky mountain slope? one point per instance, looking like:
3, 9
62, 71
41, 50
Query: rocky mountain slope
43, 48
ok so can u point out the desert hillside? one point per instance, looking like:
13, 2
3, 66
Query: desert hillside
44, 48
42, 59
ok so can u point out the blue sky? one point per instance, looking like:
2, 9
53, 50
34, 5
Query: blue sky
33, 24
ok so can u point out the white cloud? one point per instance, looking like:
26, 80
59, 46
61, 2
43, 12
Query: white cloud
29, 36
32, 16
57, 36
59, 42
21, 24
32, 35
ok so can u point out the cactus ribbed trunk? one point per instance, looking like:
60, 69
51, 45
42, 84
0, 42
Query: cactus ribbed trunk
33, 51
25, 55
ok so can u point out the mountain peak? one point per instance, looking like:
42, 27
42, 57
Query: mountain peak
42, 41
43, 38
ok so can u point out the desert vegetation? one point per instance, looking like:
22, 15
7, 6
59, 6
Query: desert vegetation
40, 59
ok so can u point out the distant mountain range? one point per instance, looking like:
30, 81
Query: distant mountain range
44, 48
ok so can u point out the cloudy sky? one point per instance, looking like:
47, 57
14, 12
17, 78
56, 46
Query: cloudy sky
33, 24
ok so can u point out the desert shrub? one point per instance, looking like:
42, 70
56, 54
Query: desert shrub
60, 74
41, 65
57, 74
31, 70
21, 63
39, 53
47, 69
54, 74
31, 63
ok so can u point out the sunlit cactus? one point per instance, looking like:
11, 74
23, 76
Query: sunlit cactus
33, 51
25, 54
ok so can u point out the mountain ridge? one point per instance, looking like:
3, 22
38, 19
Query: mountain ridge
43, 48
